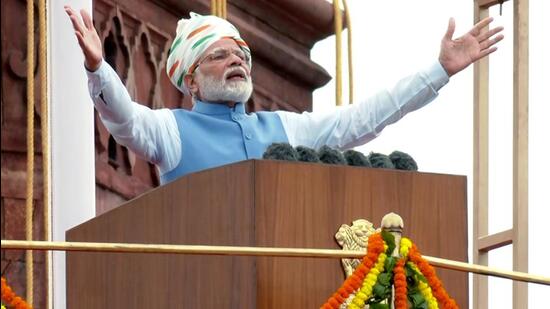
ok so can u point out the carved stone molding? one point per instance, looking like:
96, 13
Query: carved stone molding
137, 51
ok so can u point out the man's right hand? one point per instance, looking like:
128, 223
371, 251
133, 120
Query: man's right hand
87, 37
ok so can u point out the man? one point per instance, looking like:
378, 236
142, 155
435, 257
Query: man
210, 61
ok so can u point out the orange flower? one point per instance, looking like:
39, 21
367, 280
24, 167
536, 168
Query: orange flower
10, 298
428, 271
375, 246
343, 292
338, 297
400, 284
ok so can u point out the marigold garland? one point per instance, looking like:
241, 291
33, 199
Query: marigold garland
400, 284
375, 246
358, 289
429, 272
365, 292
425, 289
405, 246
11, 299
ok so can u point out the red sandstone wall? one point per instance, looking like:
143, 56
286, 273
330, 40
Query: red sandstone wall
136, 36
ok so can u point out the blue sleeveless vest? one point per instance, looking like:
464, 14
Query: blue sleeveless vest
216, 134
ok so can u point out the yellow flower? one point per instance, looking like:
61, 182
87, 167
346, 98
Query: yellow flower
367, 288
353, 306
367, 291
406, 244
362, 296
427, 293
432, 304
360, 303
371, 282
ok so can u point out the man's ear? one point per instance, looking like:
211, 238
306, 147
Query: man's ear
191, 84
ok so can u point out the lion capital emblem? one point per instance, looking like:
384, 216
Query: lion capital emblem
354, 238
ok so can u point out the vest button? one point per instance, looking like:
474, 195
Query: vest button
248, 136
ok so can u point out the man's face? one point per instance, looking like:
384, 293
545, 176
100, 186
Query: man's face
222, 74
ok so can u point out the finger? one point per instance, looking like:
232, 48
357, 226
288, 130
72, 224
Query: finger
68, 7
484, 36
75, 20
77, 24
87, 19
80, 39
450, 30
488, 43
69, 10
486, 53
480, 25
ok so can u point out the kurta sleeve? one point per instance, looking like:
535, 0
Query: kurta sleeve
353, 125
151, 134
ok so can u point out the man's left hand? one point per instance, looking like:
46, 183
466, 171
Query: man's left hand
455, 55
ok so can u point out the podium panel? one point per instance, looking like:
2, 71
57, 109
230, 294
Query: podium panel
266, 204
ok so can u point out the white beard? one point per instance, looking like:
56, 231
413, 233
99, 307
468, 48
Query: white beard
213, 90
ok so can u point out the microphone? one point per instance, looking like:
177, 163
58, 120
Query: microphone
281, 151
379, 160
403, 161
331, 156
356, 158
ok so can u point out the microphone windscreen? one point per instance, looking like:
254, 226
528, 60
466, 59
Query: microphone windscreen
281, 151
356, 158
403, 161
380, 160
331, 156
306, 154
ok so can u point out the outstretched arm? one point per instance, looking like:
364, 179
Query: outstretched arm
353, 125
151, 134
456, 54
356, 124
87, 37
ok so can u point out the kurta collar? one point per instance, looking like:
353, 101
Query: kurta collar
217, 109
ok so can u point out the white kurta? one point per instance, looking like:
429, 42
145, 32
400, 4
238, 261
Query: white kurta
154, 134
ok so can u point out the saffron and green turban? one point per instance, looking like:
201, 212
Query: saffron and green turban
193, 37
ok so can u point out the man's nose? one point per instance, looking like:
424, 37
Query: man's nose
235, 60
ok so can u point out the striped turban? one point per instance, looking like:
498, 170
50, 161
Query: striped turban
193, 37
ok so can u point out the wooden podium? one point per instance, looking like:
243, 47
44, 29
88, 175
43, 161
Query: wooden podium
266, 204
